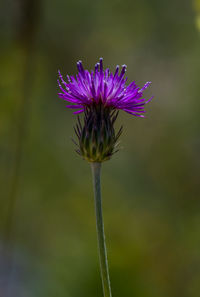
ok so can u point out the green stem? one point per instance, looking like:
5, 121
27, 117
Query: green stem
96, 173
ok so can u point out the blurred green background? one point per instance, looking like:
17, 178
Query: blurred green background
151, 196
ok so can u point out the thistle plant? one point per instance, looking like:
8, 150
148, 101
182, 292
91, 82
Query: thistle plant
99, 95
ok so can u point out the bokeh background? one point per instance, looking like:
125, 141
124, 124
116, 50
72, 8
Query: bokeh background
151, 195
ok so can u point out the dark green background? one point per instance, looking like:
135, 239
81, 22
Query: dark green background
151, 196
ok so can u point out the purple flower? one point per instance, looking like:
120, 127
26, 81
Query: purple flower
102, 87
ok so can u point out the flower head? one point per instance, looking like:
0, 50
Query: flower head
104, 88
100, 95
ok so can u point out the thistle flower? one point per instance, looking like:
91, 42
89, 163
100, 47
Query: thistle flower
100, 94
101, 87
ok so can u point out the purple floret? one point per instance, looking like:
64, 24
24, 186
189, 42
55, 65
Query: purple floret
102, 87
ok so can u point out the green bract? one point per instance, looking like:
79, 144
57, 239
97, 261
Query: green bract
97, 137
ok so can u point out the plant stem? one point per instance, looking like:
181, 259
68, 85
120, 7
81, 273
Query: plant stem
96, 174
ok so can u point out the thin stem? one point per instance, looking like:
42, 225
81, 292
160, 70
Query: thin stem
96, 173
